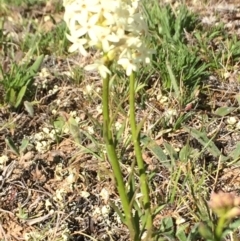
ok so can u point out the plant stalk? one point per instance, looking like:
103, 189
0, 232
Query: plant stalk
220, 227
141, 167
111, 152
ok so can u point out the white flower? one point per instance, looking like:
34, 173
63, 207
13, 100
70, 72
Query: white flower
88, 27
118, 16
114, 27
128, 64
104, 39
108, 7
133, 42
102, 69
67, 2
79, 10
135, 4
78, 44
137, 24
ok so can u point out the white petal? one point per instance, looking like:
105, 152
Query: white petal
94, 19
104, 71
91, 67
77, 44
80, 32
113, 38
73, 48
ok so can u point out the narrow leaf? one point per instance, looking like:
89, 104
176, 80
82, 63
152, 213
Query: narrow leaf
117, 210
185, 153
235, 154
20, 96
59, 123
12, 146
37, 64
205, 142
156, 150
205, 231
171, 152
12, 96
237, 97
223, 111
29, 108
24, 145
173, 79
235, 225
74, 130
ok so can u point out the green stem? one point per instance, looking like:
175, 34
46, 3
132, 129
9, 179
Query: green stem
219, 229
139, 158
111, 152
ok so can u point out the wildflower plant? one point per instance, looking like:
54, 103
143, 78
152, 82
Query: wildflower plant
115, 29
226, 207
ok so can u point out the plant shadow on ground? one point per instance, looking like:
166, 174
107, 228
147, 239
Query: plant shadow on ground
59, 186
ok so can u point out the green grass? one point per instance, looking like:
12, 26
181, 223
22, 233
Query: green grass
17, 82
47, 42
181, 148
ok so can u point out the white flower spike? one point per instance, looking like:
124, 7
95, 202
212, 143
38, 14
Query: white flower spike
114, 27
